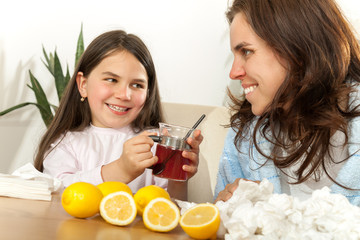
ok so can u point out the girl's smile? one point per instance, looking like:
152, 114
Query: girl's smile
116, 90
118, 109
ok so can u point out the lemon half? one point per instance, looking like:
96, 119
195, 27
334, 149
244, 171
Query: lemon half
161, 215
118, 208
145, 194
201, 221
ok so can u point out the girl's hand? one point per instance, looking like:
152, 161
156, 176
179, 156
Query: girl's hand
137, 155
230, 188
135, 158
193, 154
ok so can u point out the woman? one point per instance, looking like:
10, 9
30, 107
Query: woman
299, 126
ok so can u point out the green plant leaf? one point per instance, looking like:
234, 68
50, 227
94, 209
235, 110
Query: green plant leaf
80, 46
49, 62
60, 82
47, 117
41, 99
66, 77
45, 55
53, 65
54, 107
16, 107
67, 73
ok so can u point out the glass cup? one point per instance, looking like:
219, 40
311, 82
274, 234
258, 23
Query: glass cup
171, 144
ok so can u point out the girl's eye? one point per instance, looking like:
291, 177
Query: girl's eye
111, 80
137, 85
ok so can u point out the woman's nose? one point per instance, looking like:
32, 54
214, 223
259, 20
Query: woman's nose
237, 71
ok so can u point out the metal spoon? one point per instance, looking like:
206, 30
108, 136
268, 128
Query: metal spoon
159, 168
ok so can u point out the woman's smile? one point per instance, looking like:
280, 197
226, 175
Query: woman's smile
250, 89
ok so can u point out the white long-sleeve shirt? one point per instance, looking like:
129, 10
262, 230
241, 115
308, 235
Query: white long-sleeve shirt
79, 156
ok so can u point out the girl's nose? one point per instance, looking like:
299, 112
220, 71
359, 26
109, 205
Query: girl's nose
123, 92
237, 71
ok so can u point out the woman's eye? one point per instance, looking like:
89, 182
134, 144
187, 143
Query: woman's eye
246, 52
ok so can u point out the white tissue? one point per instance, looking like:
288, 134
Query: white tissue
184, 205
254, 212
28, 183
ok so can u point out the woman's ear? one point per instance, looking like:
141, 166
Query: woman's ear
81, 82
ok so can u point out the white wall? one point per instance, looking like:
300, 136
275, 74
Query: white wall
188, 40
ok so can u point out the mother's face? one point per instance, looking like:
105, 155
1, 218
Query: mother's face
255, 64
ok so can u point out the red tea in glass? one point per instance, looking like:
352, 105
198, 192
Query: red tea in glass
173, 167
171, 144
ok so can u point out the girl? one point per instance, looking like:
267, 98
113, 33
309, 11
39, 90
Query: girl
298, 126
110, 99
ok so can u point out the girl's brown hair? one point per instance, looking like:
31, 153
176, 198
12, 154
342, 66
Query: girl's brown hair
322, 56
74, 115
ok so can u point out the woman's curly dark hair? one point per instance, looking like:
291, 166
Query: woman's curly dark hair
323, 64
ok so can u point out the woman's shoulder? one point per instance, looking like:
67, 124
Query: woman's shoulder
354, 98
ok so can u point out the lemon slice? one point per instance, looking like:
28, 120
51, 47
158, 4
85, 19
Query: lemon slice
118, 208
201, 221
161, 215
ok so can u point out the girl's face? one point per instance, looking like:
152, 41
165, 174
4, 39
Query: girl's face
116, 90
255, 64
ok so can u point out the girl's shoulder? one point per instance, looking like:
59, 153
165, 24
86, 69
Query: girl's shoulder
71, 136
92, 133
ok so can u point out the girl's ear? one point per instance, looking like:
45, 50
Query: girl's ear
81, 82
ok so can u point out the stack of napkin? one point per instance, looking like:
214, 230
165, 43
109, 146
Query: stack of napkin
28, 183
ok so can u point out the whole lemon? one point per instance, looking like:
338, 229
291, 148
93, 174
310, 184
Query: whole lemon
145, 194
112, 186
81, 199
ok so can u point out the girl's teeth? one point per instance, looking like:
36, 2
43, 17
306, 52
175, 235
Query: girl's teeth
116, 108
249, 89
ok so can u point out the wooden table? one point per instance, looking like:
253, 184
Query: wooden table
32, 219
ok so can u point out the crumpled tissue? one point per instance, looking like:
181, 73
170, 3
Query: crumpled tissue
28, 183
255, 212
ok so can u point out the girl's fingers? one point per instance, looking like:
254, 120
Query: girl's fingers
196, 140
193, 156
197, 136
149, 162
138, 158
140, 139
190, 169
140, 148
